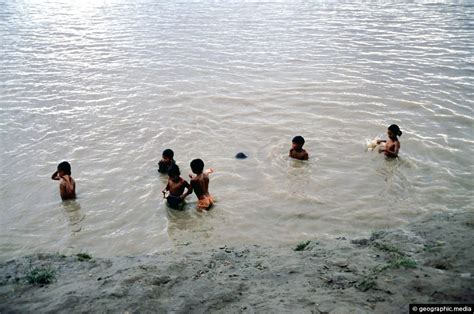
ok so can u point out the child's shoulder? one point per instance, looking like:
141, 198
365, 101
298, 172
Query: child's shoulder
199, 177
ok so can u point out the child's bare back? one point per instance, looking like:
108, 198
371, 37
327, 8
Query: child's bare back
200, 184
67, 185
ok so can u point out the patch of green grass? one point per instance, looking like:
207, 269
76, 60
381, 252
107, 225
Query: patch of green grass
303, 245
83, 256
41, 276
388, 248
397, 259
429, 248
368, 282
380, 268
402, 262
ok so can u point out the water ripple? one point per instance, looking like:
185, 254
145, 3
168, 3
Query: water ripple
109, 85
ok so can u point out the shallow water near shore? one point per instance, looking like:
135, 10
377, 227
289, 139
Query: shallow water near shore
108, 85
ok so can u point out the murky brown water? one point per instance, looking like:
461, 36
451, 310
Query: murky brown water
108, 85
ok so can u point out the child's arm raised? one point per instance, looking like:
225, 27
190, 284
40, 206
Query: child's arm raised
55, 176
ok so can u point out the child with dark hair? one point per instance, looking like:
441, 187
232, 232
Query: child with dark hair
176, 186
166, 161
67, 185
200, 184
392, 145
297, 151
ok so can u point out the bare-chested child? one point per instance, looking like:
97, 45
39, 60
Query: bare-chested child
297, 151
392, 145
200, 184
176, 186
166, 161
67, 185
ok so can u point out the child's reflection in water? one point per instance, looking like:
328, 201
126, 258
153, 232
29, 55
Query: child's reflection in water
72, 210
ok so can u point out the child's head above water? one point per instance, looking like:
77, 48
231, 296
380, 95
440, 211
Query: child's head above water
298, 142
168, 154
65, 167
394, 131
197, 166
173, 171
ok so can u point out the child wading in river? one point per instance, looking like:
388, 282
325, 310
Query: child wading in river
392, 145
176, 186
67, 185
297, 151
166, 161
200, 184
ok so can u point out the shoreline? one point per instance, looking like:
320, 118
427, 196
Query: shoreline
426, 261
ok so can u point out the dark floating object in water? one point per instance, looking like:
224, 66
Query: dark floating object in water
240, 156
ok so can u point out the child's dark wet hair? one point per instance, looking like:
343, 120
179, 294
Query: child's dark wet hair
197, 165
65, 167
395, 130
168, 153
298, 140
173, 171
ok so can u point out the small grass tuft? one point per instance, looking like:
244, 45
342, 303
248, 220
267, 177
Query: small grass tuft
40, 276
402, 262
83, 256
368, 282
388, 248
396, 260
303, 245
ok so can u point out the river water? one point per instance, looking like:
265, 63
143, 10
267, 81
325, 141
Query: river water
108, 85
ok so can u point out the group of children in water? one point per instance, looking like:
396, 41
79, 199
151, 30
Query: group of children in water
178, 189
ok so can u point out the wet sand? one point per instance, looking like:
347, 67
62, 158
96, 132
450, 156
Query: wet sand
427, 261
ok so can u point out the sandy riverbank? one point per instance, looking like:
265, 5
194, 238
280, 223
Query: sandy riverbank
430, 260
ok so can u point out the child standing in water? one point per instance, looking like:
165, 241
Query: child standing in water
200, 184
176, 186
166, 161
392, 145
67, 185
297, 151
